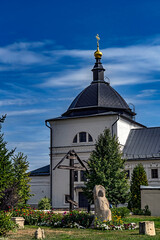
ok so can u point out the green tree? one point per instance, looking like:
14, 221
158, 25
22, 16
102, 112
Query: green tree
21, 177
6, 168
106, 168
139, 178
14, 178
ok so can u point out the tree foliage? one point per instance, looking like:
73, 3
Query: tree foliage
106, 168
21, 177
139, 178
14, 180
6, 168
44, 204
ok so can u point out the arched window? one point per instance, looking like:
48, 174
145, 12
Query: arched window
82, 137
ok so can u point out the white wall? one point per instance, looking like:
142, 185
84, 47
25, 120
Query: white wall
65, 130
151, 197
40, 187
123, 129
148, 165
63, 133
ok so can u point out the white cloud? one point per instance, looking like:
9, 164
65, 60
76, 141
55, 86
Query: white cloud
124, 66
136, 101
17, 102
147, 93
134, 64
22, 53
27, 112
69, 78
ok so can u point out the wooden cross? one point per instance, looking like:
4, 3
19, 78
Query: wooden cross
72, 156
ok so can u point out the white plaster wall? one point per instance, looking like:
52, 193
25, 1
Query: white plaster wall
148, 165
152, 199
40, 187
123, 129
60, 182
63, 133
65, 130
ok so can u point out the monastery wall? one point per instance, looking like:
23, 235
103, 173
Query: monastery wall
40, 187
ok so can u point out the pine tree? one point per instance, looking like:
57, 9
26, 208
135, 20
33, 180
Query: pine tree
106, 168
14, 178
21, 177
6, 173
139, 178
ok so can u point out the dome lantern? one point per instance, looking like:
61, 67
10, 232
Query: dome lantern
98, 70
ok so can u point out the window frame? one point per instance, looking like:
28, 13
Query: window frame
76, 139
154, 173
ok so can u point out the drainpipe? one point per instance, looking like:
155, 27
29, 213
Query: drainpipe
50, 159
115, 123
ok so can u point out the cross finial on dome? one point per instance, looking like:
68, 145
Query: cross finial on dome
98, 38
98, 54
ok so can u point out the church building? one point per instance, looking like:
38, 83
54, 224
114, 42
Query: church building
97, 107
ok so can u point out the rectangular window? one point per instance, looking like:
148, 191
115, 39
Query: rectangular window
127, 174
154, 173
83, 177
82, 137
66, 196
90, 138
76, 176
75, 139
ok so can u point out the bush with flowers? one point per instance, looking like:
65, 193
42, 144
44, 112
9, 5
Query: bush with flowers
78, 219
6, 224
73, 219
115, 224
120, 211
82, 219
37, 217
110, 225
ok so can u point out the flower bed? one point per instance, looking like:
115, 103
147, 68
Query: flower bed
73, 219
50, 218
110, 225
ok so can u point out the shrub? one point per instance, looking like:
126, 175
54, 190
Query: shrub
139, 178
23, 205
121, 211
49, 218
83, 219
44, 204
6, 224
144, 211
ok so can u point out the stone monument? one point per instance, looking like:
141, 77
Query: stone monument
102, 211
19, 221
147, 228
39, 233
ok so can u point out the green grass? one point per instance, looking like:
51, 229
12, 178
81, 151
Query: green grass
89, 234
138, 219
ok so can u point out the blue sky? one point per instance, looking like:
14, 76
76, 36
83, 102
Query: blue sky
46, 54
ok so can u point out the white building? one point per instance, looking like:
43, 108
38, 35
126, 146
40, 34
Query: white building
97, 107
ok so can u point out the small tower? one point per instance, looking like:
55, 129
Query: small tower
98, 70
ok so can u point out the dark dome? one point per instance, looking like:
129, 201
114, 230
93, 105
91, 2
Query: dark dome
99, 97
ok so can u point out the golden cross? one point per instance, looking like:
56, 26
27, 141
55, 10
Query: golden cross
98, 38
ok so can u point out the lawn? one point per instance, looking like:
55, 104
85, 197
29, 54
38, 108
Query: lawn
88, 234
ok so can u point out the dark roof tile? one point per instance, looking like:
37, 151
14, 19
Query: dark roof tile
143, 143
43, 171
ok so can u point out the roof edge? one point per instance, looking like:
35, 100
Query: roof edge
95, 115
